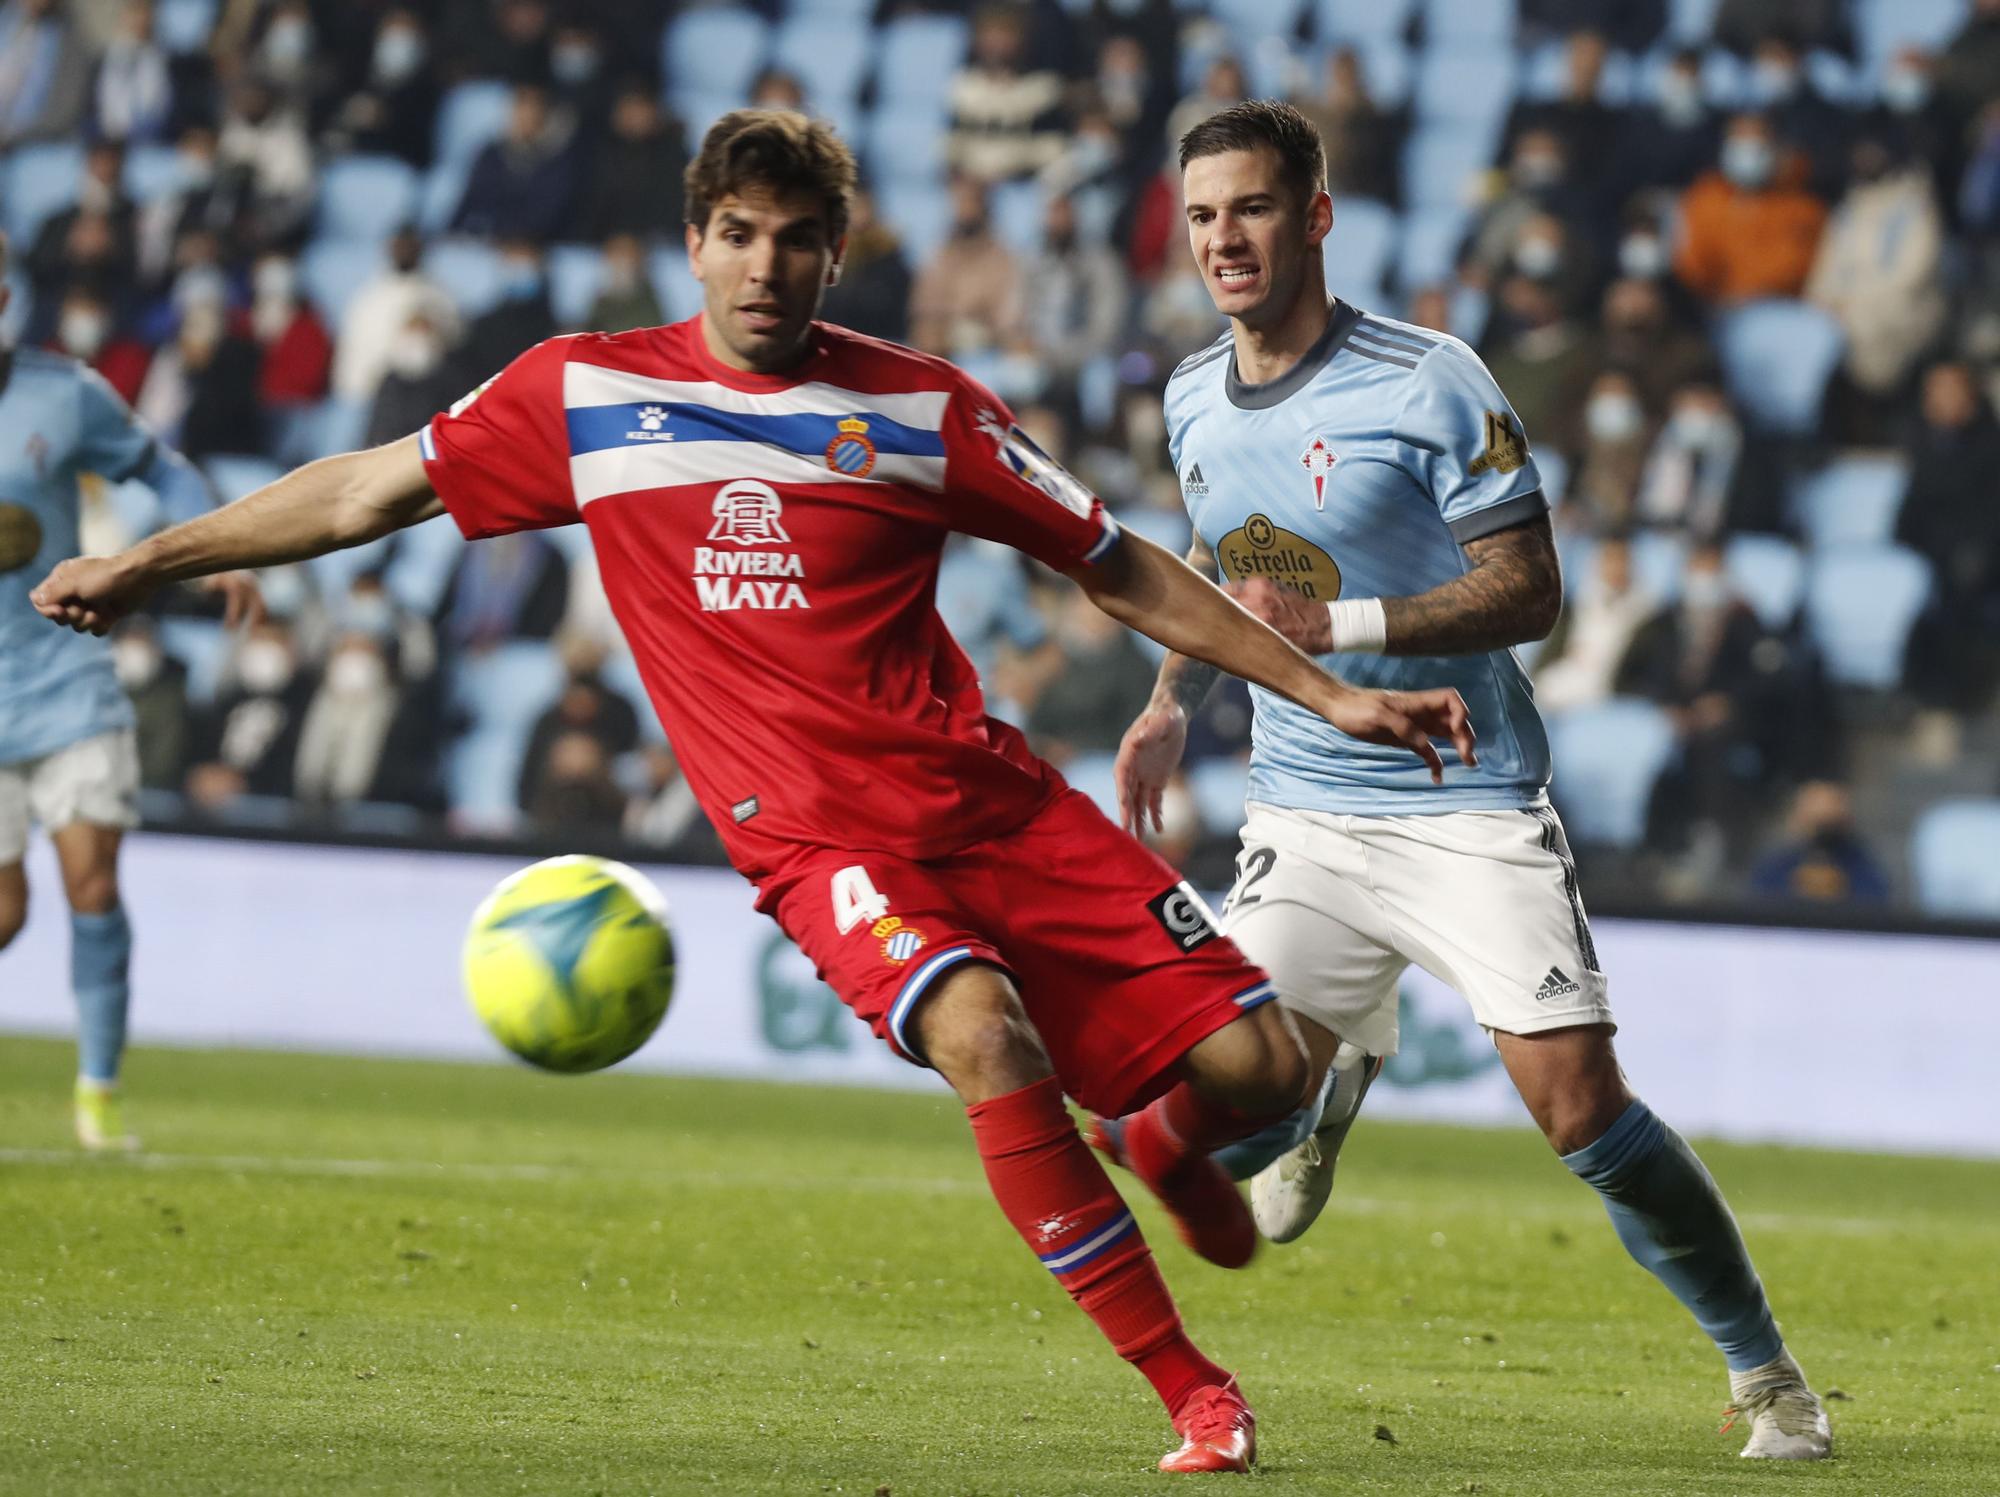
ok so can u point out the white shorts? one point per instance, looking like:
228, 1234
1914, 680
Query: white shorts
96, 780
1335, 907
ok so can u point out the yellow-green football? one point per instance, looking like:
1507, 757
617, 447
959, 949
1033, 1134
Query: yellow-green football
570, 963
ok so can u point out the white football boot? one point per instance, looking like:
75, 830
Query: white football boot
1288, 1195
1787, 1421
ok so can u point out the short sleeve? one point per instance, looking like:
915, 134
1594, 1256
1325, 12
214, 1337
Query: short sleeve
998, 484
113, 443
499, 458
1465, 447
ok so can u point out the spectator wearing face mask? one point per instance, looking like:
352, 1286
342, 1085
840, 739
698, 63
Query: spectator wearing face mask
1578, 666
576, 73
635, 182
1669, 141
1880, 272
521, 318
380, 313
1616, 432
297, 353
346, 725
86, 329
394, 112
156, 685
201, 390
1750, 228
94, 241
586, 705
1639, 336
1801, 118
201, 202
417, 385
968, 299
522, 184
873, 293
1690, 474
1538, 187
1586, 127
264, 151
1822, 859
132, 96
246, 743
625, 297
1543, 360
369, 608
1914, 123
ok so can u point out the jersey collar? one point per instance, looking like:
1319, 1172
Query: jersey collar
1272, 392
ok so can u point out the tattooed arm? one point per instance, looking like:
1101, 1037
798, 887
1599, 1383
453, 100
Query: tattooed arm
1184, 680
1511, 594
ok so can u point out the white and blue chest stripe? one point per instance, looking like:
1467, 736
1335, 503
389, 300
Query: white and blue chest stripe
630, 432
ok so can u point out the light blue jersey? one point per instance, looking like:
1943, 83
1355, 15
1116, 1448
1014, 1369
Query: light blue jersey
1361, 472
58, 421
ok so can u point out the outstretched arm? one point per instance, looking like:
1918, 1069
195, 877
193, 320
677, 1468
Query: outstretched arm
1511, 594
1152, 590
323, 506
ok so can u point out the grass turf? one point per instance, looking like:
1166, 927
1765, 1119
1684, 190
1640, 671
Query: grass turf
348, 1276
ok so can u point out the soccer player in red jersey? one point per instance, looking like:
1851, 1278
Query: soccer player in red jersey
768, 496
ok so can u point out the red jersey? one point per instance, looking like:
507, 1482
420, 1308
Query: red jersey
770, 546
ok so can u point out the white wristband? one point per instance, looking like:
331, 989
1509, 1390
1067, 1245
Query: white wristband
1360, 626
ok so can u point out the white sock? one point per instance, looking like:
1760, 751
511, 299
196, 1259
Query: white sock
1781, 1369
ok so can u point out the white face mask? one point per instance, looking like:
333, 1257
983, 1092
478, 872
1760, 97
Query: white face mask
1700, 428
368, 613
265, 666
1537, 257
1773, 82
355, 673
573, 64
137, 663
1613, 417
274, 280
1642, 256
398, 55
1906, 90
82, 332
1748, 161
1680, 99
287, 42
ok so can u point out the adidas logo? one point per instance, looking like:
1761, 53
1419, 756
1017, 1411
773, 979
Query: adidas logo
1556, 985
1194, 485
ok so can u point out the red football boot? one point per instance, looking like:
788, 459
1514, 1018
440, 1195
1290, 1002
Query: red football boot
1107, 1136
1218, 1432
1208, 1209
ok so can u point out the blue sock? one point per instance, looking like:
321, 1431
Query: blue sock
100, 957
1674, 1221
1248, 1156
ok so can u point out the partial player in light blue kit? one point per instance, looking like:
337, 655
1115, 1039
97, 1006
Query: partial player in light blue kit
67, 754
1363, 485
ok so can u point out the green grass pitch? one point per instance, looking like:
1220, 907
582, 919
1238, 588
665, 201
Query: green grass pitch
346, 1276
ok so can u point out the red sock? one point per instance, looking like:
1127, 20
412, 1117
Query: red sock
1181, 1124
1060, 1200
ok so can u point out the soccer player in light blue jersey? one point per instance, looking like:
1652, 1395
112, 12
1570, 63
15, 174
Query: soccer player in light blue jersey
1363, 486
67, 755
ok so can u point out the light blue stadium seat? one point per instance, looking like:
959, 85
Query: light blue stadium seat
470, 270
332, 270
1555, 475
183, 26
1725, 79
1953, 862
1769, 573
508, 685
1659, 559
1777, 356
1275, 67
830, 55
621, 674
421, 565
857, 12
471, 115
718, 46
1607, 759
906, 144
36, 183
367, 197
1249, 18
1464, 87
919, 212
235, 476
1386, 68
442, 191
202, 645
1441, 164
321, 430
481, 773
1361, 20
1471, 23
1357, 252
1882, 27
334, 573
1852, 501
1219, 787
152, 172
1092, 775
917, 57
698, 108
674, 283
1430, 241
575, 272
1837, 80
20, 305
1691, 21
1860, 605
1019, 209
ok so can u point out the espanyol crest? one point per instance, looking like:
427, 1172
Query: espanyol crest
851, 452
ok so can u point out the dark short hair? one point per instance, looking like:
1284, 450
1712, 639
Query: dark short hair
777, 150
1269, 124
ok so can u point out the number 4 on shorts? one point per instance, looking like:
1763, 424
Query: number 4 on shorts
854, 899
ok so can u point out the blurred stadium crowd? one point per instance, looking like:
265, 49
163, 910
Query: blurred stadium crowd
1736, 262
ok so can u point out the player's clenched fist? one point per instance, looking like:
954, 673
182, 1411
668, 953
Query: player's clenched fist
1411, 719
88, 593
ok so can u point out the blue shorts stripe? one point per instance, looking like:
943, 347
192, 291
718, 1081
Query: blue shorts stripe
427, 444
1095, 1246
1264, 992
913, 989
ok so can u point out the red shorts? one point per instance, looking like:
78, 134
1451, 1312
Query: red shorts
1119, 964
